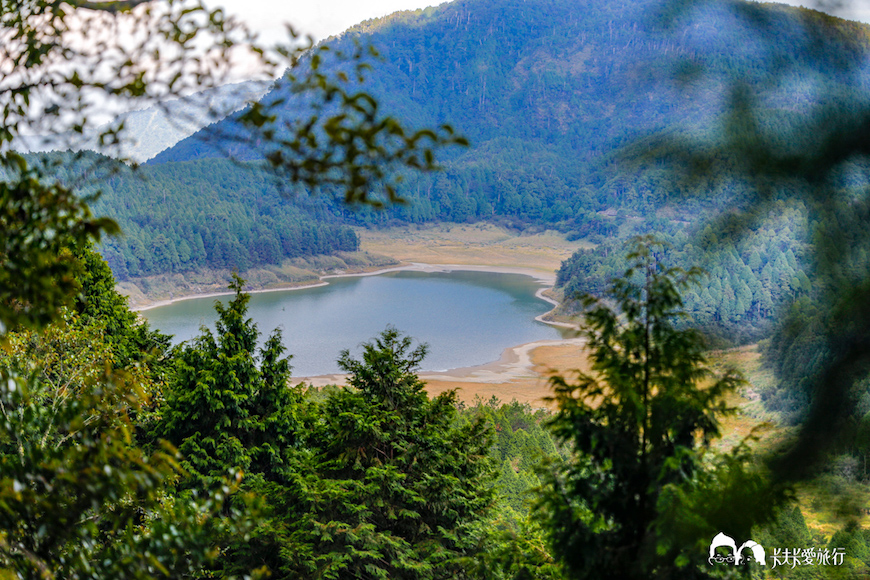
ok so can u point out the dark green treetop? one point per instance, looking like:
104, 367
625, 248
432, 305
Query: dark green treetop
402, 489
221, 409
97, 302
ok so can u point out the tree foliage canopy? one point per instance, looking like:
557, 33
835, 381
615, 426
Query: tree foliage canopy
403, 488
223, 410
81, 498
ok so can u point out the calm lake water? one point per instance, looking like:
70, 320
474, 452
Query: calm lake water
467, 318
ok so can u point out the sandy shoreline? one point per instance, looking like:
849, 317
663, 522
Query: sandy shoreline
515, 363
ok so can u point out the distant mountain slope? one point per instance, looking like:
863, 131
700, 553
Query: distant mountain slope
189, 217
548, 90
541, 71
185, 217
158, 128
150, 131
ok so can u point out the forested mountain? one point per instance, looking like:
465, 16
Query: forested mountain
558, 97
548, 92
553, 97
184, 217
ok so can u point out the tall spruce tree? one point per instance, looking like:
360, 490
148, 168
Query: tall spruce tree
635, 425
231, 413
400, 488
221, 409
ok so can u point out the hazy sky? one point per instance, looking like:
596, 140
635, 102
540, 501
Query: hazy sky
322, 18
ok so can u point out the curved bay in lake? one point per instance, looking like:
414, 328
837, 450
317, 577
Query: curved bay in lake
467, 318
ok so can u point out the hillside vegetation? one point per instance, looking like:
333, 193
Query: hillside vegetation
561, 103
549, 92
126, 457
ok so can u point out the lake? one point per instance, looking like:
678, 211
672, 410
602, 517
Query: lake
467, 318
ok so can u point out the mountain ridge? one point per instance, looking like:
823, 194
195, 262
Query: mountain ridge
572, 84
150, 130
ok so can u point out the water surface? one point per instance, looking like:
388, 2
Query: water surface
467, 318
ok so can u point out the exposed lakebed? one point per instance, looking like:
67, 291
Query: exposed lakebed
467, 317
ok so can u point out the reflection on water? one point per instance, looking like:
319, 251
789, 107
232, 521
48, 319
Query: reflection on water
467, 318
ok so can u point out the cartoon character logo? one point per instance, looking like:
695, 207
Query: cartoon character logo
737, 555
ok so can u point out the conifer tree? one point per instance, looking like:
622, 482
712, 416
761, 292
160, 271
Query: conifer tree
97, 302
634, 425
232, 413
80, 498
400, 488
222, 410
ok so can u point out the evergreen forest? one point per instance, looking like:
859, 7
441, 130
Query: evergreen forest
712, 157
187, 217
555, 105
